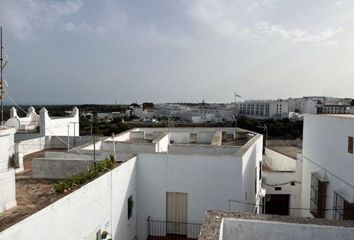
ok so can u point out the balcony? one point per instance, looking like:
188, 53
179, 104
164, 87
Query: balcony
163, 230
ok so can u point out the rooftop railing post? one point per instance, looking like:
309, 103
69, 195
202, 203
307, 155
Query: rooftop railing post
148, 226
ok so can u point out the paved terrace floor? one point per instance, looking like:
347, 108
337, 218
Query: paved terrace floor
31, 194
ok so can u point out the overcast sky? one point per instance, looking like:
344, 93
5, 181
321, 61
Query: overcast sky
102, 51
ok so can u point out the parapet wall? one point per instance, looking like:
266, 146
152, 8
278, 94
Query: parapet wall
58, 168
100, 205
7, 173
68, 126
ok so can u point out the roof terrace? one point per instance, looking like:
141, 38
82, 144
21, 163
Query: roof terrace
31, 194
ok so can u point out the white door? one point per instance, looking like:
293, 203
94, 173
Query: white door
176, 213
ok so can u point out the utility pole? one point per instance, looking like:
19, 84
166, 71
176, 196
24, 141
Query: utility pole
94, 145
114, 147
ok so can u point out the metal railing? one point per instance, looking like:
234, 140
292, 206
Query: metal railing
173, 230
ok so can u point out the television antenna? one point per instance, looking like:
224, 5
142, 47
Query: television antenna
3, 62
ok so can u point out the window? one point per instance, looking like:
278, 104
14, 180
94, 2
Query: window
350, 145
193, 137
130, 207
343, 210
318, 196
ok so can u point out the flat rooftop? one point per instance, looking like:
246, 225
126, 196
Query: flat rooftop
242, 226
31, 194
138, 140
189, 135
290, 151
350, 116
343, 116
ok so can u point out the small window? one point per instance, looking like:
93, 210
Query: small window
350, 145
318, 196
193, 137
130, 207
277, 188
343, 210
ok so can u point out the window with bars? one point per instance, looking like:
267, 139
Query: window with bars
350, 144
318, 196
343, 210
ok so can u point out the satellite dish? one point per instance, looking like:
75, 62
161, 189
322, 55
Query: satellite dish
13, 123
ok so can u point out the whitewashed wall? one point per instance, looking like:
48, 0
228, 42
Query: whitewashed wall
202, 149
209, 181
284, 171
127, 147
325, 151
283, 180
278, 161
31, 145
162, 142
101, 204
7, 173
251, 157
59, 126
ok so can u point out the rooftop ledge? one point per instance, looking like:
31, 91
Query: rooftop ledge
214, 226
6, 131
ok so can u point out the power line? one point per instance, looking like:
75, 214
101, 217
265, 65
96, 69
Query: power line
280, 184
327, 171
54, 135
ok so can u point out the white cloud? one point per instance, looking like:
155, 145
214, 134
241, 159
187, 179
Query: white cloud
217, 18
248, 20
83, 27
296, 35
22, 18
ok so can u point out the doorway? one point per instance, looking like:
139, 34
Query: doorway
176, 213
277, 204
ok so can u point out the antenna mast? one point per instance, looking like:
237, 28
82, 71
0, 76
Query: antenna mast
1, 79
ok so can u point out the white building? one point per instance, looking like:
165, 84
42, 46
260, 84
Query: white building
198, 113
328, 163
176, 175
111, 115
29, 123
59, 126
333, 108
304, 104
282, 178
39, 132
48, 126
264, 109
7, 173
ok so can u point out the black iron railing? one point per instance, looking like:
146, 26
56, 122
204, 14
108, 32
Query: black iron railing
173, 230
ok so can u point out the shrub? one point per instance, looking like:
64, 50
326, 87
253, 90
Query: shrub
92, 172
